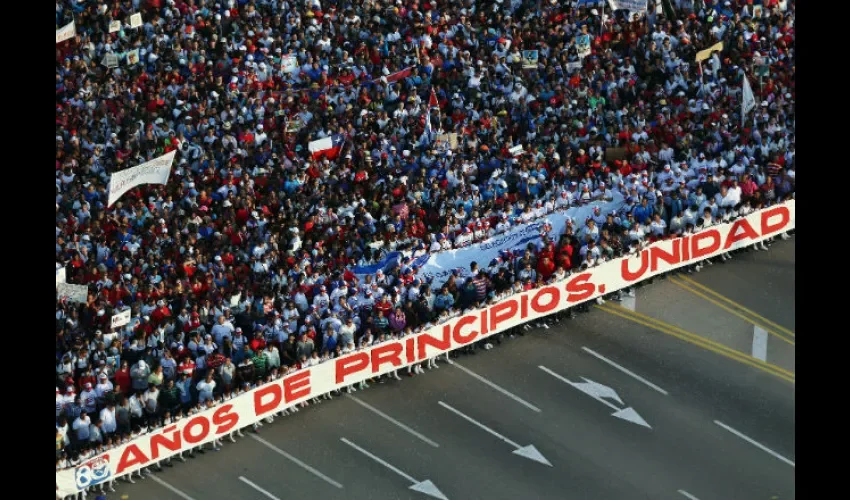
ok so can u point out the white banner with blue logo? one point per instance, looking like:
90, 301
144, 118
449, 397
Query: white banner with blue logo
437, 267
633, 6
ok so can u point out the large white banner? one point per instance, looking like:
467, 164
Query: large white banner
155, 171
460, 331
66, 32
439, 265
75, 293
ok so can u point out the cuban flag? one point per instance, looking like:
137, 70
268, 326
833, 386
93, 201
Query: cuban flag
329, 147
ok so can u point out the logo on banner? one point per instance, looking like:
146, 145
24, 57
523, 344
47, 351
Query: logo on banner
93, 472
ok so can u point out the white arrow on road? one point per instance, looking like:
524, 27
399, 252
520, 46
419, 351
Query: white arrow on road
599, 392
426, 486
529, 452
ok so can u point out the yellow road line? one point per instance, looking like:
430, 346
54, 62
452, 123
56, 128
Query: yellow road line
699, 341
736, 305
674, 280
714, 344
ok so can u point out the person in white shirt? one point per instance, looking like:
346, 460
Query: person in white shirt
463, 239
205, 388
224, 327
104, 386
677, 224
727, 198
322, 300
107, 416
60, 402
658, 227
341, 291
81, 427
503, 225
563, 200
89, 398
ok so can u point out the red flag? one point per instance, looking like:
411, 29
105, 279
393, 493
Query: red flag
400, 75
432, 101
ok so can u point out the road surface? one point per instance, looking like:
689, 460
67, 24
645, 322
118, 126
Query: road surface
698, 368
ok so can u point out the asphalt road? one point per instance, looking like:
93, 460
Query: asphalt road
719, 428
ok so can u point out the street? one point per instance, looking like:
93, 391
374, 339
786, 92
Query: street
685, 391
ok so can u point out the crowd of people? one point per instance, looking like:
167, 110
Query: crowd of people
240, 269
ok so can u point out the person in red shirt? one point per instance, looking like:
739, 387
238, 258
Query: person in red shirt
545, 267
161, 313
384, 305
122, 378
257, 343
186, 366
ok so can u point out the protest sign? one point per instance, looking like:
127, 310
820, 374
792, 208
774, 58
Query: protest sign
529, 59
66, 32
583, 46
120, 319
74, 293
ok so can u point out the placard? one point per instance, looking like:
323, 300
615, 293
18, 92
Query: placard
110, 60
529, 59
66, 32
74, 293
583, 46
133, 57
120, 319
136, 20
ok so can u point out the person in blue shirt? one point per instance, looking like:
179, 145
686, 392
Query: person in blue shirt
643, 212
444, 300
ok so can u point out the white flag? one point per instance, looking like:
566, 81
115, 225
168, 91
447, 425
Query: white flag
749, 100
155, 171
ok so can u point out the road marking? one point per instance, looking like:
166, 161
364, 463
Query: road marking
529, 451
698, 341
425, 486
731, 302
685, 286
755, 443
687, 495
592, 389
498, 388
392, 420
256, 487
171, 488
759, 343
296, 461
626, 370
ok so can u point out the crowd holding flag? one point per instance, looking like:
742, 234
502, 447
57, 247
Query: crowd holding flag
327, 147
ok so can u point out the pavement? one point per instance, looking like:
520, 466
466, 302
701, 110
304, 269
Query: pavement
663, 402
